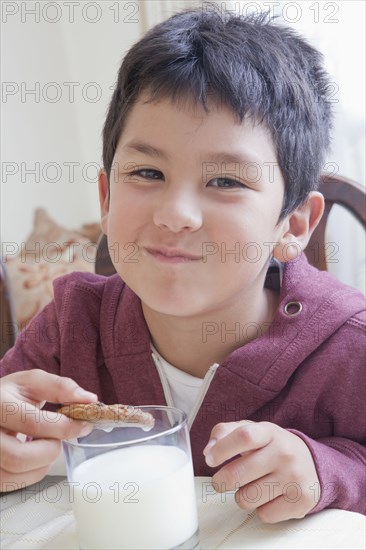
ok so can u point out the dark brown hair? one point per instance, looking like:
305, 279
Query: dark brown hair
250, 63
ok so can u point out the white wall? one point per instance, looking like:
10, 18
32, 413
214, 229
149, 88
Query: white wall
36, 129
74, 49
337, 29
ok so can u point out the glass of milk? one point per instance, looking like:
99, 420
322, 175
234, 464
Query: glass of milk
134, 489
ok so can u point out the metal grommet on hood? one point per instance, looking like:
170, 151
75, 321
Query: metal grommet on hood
292, 309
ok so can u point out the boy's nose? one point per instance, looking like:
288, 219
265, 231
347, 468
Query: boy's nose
178, 212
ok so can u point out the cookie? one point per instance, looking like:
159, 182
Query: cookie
109, 416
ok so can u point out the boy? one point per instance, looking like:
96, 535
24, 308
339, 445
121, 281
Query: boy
213, 145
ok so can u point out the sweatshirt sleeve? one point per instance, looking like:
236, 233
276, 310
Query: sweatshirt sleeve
338, 433
49, 335
341, 468
37, 346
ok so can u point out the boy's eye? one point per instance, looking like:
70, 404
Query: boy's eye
147, 173
225, 183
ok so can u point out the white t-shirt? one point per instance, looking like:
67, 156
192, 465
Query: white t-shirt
184, 388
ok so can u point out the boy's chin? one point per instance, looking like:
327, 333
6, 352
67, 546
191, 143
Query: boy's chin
178, 307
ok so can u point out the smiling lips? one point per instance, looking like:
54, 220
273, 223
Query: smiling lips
172, 255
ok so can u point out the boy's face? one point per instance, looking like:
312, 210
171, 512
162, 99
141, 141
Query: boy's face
189, 229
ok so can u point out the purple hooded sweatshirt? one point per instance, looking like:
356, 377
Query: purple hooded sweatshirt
306, 373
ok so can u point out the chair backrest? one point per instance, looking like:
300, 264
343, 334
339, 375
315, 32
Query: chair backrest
103, 262
343, 192
336, 190
7, 321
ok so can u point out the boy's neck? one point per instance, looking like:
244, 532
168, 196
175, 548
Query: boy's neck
194, 344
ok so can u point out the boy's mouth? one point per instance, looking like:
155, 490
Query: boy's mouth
171, 255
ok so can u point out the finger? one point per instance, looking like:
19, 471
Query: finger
46, 424
257, 493
281, 509
14, 482
243, 470
18, 457
219, 431
37, 385
246, 437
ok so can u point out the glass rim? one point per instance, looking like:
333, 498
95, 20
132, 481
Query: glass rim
168, 431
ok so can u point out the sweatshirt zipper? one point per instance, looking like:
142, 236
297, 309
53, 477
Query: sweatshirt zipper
203, 390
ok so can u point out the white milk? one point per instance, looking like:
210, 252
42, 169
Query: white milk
139, 497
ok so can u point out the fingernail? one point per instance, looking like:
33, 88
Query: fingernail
86, 429
209, 460
206, 451
209, 445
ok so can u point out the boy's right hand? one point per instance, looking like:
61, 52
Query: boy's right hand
21, 396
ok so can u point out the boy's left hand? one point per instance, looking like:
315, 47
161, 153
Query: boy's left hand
275, 475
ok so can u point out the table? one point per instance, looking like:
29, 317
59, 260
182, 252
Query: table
40, 516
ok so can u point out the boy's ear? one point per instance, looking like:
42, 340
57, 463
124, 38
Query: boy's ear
103, 198
298, 228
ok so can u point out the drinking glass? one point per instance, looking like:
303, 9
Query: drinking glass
132, 489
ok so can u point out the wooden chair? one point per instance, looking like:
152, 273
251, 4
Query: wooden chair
7, 319
336, 190
344, 192
103, 262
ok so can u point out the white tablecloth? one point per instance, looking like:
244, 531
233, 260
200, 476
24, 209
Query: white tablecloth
40, 517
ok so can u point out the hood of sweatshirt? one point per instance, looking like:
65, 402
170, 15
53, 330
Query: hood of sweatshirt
313, 305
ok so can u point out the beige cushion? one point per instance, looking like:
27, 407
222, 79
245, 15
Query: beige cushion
49, 252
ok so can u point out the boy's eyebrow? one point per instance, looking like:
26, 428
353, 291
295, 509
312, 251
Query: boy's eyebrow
219, 158
146, 149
